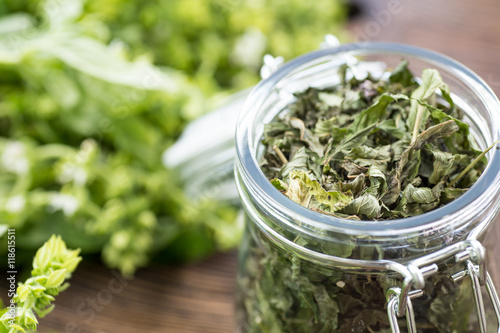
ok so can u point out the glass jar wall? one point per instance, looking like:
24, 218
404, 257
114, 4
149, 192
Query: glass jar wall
302, 271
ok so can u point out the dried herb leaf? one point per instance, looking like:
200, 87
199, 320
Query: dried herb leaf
402, 74
431, 81
309, 193
375, 113
365, 205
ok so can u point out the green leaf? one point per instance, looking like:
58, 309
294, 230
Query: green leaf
434, 132
272, 130
302, 160
328, 308
375, 113
279, 184
330, 99
331, 201
309, 193
460, 141
352, 100
16, 327
355, 187
402, 74
43, 312
351, 141
29, 318
450, 194
366, 204
409, 163
390, 126
342, 247
439, 116
307, 136
442, 165
298, 189
93, 58
298, 162
378, 182
338, 134
422, 195
329, 127
23, 292
42, 258
5, 316
324, 127
352, 168
71, 264
431, 81
56, 278
367, 156
393, 191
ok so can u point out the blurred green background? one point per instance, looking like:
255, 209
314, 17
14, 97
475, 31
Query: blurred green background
91, 94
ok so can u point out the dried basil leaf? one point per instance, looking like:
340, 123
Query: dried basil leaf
309, 193
366, 205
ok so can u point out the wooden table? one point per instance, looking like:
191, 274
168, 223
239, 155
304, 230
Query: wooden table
199, 298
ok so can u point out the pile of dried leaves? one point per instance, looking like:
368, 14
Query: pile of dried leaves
365, 149
372, 149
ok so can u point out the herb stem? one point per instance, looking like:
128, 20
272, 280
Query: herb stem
464, 172
418, 120
280, 154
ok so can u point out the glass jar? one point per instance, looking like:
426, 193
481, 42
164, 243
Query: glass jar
303, 271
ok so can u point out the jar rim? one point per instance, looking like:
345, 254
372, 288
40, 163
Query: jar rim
475, 198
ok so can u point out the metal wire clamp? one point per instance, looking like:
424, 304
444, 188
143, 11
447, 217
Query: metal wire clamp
472, 254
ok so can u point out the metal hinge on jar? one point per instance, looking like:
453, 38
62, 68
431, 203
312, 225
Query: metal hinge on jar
472, 254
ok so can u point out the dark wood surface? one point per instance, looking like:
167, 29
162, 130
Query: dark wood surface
199, 298
196, 298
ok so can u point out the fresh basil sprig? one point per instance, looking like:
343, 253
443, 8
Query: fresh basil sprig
52, 266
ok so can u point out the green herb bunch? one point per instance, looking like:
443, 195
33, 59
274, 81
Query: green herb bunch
93, 92
52, 265
218, 44
372, 148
